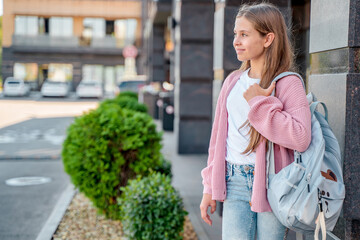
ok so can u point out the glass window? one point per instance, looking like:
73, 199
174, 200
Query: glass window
92, 73
119, 69
125, 31
26, 25
60, 72
20, 25
120, 32
97, 26
130, 31
61, 26
109, 79
110, 28
43, 25
26, 71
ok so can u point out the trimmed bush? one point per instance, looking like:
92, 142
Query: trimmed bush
164, 167
127, 102
152, 209
128, 94
105, 148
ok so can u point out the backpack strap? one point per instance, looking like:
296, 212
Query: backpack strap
270, 160
320, 224
284, 74
315, 104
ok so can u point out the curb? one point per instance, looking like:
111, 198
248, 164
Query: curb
8, 157
57, 214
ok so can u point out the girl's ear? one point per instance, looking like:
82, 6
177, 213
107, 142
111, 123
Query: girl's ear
269, 38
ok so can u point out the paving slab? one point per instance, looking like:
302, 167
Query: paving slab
187, 180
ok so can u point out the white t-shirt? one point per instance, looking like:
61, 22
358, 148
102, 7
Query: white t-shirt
238, 109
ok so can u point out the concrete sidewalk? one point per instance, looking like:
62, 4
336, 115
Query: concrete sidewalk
187, 179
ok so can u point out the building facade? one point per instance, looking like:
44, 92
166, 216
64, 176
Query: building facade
69, 40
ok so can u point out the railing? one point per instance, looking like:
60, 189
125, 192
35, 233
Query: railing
44, 41
50, 41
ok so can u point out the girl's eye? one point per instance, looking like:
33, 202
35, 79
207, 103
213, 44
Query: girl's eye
242, 35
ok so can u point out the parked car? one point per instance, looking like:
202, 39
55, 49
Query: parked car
131, 85
55, 89
15, 87
89, 89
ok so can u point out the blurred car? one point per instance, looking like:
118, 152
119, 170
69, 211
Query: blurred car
55, 89
89, 89
131, 85
15, 87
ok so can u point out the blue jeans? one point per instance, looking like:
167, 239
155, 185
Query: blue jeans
239, 222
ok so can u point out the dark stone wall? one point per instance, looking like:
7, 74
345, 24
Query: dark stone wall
334, 72
157, 54
193, 75
352, 128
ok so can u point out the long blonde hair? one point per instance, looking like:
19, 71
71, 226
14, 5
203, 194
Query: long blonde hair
279, 56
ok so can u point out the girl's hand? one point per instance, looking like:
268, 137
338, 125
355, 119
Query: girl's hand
204, 205
255, 90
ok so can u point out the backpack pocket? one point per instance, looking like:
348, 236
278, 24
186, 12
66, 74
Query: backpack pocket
283, 187
332, 197
288, 178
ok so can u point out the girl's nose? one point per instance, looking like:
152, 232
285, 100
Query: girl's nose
237, 40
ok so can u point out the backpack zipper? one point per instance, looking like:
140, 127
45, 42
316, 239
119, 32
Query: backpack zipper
308, 177
298, 157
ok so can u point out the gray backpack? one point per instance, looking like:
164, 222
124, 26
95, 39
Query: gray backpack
308, 194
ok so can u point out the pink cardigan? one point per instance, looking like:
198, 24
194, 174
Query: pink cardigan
284, 119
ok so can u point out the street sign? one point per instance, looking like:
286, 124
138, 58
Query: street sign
130, 51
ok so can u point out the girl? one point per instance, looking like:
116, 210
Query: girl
246, 117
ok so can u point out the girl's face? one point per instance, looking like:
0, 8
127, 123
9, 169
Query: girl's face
248, 43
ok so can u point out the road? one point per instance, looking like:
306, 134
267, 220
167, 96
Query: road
31, 133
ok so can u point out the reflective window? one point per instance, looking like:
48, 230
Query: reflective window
26, 71
119, 73
92, 73
109, 79
96, 26
131, 31
125, 32
61, 27
26, 25
60, 72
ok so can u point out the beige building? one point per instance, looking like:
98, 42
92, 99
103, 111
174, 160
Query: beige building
69, 40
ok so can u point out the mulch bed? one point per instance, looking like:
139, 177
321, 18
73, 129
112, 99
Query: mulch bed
81, 221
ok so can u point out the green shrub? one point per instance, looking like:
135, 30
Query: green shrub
128, 94
126, 102
152, 209
164, 167
105, 148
